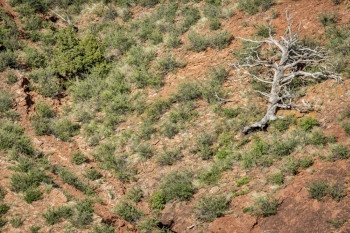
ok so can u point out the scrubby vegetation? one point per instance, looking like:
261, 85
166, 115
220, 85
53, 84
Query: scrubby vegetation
134, 108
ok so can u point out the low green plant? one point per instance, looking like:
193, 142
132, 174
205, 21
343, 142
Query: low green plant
92, 174
169, 156
64, 129
135, 194
317, 138
144, 150
276, 178
79, 158
339, 151
55, 215
82, 214
203, 145
254, 6
209, 207
283, 147
32, 194
175, 185
283, 124
16, 222
102, 228
291, 165
198, 42
128, 211
327, 19
2, 193
264, 30
169, 63
306, 162
187, 91
243, 181
317, 189
336, 191
264, 206
337, 223
210, 175
346, 127
69, 178
11, 78
3, 209
308, 123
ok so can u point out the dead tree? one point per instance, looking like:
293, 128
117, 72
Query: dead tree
284, 59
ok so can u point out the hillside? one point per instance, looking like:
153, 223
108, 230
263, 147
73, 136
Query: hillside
130, 116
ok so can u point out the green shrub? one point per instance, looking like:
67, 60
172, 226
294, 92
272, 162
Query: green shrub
291, 165
336, 191
6, 102
327, 19
169, 129
55, 215
92, 174
72, 56
211, 175
337, 2
308, 123
102, 228
214, 24
198, 42
243, 181
3, 209
169, 64
42, 126
41, 121
283, 124
207, 208
12, 137
317, 189
175, 185
64, 129
69, 178
2, 193
346, 127
135, 194
144, 150
33, 58
191, 17
187, 91
2, 222
128, 211
7, 60
283, 147
157, 108
306, 162
220, 40
82, 213
276, 178
45, 82
264, 206
318, 138
254, 6
16, 222
24, 181
169, 157
34, 229
173, 40
264, 30
79, 158
339, 151
11, 78
337, 223
32, 194
203, 145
